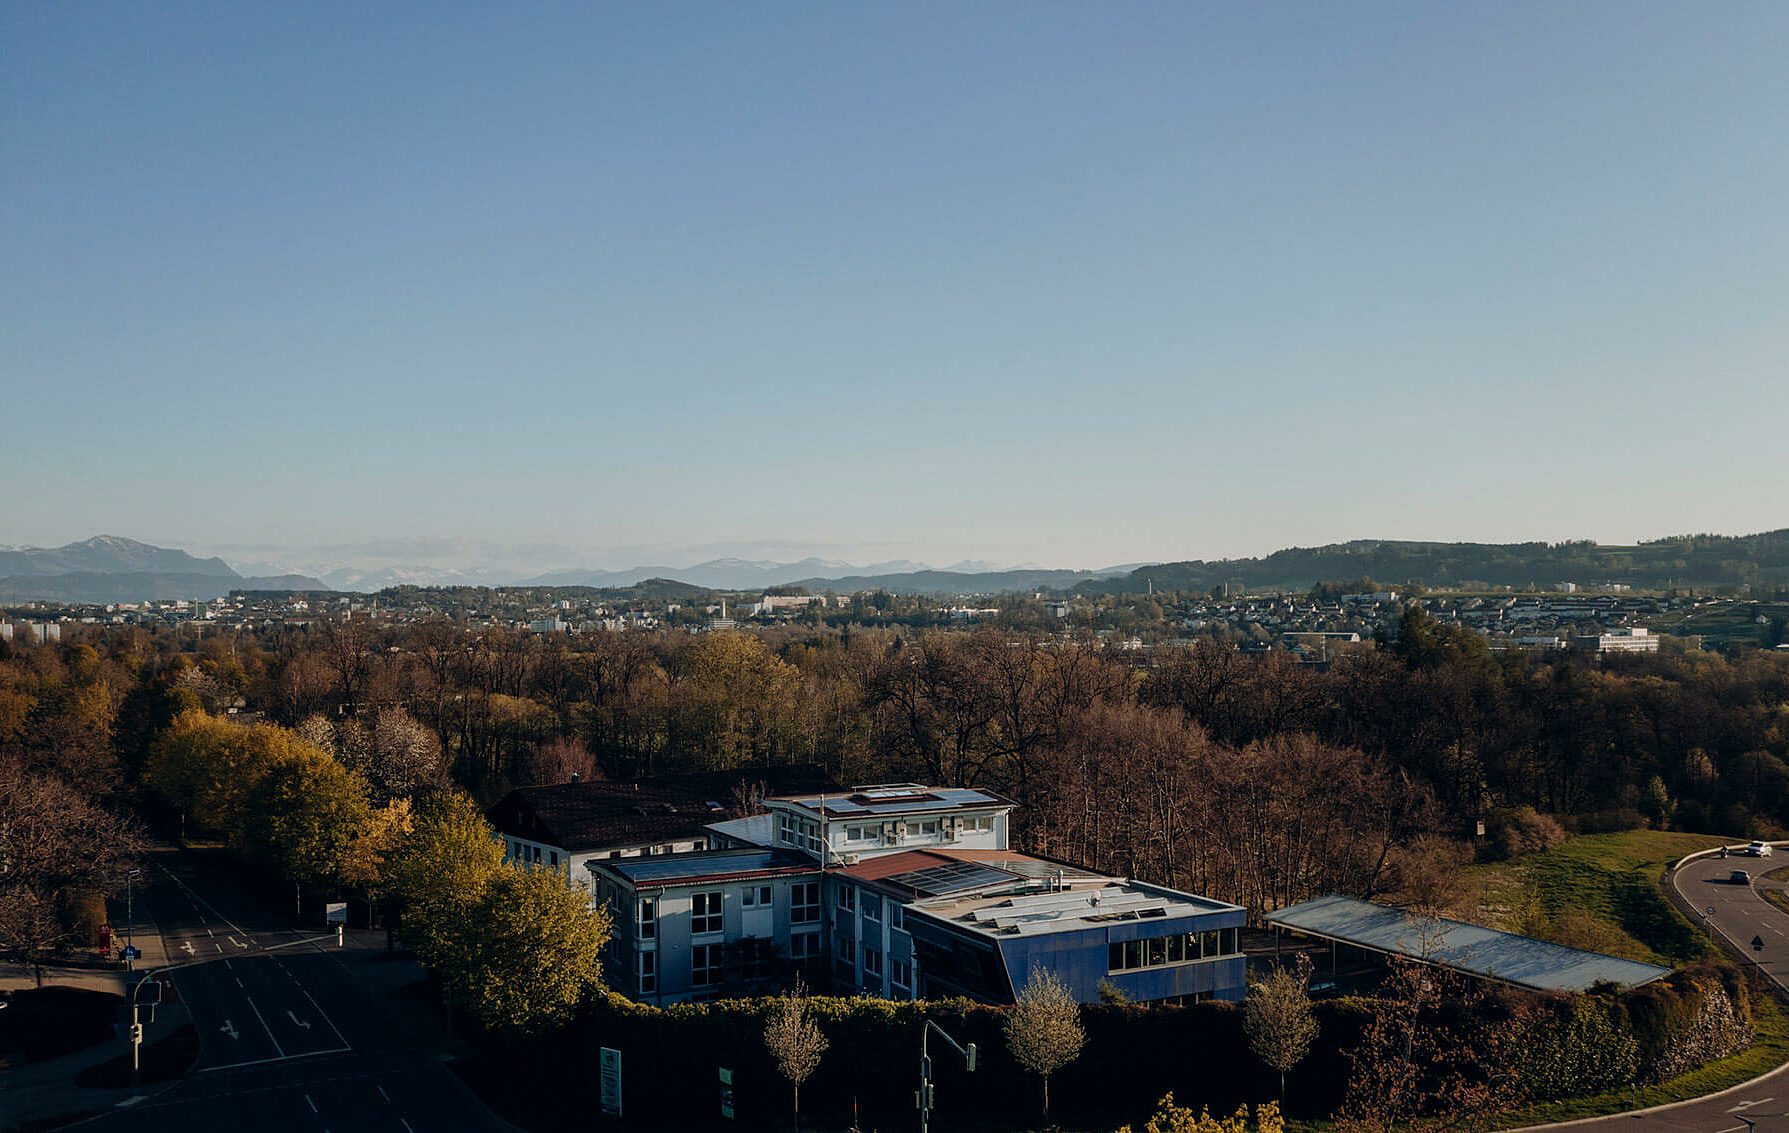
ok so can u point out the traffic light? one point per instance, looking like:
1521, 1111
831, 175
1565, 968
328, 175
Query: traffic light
136, 1032
922, 1097
969, 1055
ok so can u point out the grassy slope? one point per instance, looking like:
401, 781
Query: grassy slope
1597, 891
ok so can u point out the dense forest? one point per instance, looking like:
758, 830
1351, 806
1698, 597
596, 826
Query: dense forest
1251, 778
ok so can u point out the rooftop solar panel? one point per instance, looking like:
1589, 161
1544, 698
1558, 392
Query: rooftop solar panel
954, 877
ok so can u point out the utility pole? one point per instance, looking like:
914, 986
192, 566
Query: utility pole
924, 1097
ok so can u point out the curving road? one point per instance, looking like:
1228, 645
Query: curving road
1740, 914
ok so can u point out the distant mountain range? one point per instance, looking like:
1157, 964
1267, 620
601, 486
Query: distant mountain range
748, 574
107, 568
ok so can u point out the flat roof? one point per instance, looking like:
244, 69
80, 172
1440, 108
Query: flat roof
706, 865
1103, 902
1468, 948
894, 798
758, 829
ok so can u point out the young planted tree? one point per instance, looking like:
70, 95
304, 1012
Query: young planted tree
1043, 1028
1277, 1019
795, 1041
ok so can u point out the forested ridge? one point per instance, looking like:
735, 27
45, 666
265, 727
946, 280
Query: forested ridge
1708, 562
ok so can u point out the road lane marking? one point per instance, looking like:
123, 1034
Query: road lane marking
293, 1015
283, 1058
382, 1092
130, 1101
229, 965
276, 1043
309, 1102
239, 983
339, 1037
406, 1126
208, 932
220, 948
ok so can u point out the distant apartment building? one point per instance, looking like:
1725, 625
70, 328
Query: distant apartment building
901, 891
1630, 640
773, 603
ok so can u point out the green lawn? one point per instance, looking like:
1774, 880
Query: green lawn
1596, 891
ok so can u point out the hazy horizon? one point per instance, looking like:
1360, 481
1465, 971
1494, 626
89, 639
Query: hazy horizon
1054, 284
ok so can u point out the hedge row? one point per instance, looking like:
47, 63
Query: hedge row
1133, 1056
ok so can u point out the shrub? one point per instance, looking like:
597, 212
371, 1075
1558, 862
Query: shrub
1514, 832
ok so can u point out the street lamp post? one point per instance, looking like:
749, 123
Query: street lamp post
924, 1097
130, 916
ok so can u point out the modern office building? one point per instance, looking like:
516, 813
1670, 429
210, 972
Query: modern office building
901, 891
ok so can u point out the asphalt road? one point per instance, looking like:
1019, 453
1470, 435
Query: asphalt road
1740, 913
295, 1036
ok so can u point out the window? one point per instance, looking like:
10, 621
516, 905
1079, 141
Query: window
786, 829
847, 950
977, 824
555, 858
872, 962
705, 913
757, 952
756, 897
804, 946
863, 833
804, 902
927, 828
646, 971
847, 899
872, 907
901, 972
705, 965
648, 919
897, 915
536, 853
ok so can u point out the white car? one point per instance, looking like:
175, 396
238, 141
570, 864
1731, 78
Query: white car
1758, 850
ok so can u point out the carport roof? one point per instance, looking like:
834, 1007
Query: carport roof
1482, 952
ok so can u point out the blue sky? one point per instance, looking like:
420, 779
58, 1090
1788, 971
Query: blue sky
1075, 284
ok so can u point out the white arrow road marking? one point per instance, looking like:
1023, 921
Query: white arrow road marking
237, 943
229, 1028
294, 1017
1749, 1105
187, 948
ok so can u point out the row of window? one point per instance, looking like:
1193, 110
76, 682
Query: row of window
1160, 951
872, 906
522, 853
805, 833
707, 910
706, 962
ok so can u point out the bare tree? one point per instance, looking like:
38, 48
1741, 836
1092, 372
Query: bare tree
53, 839
795, 1040
1043, 1028
1277, 1019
